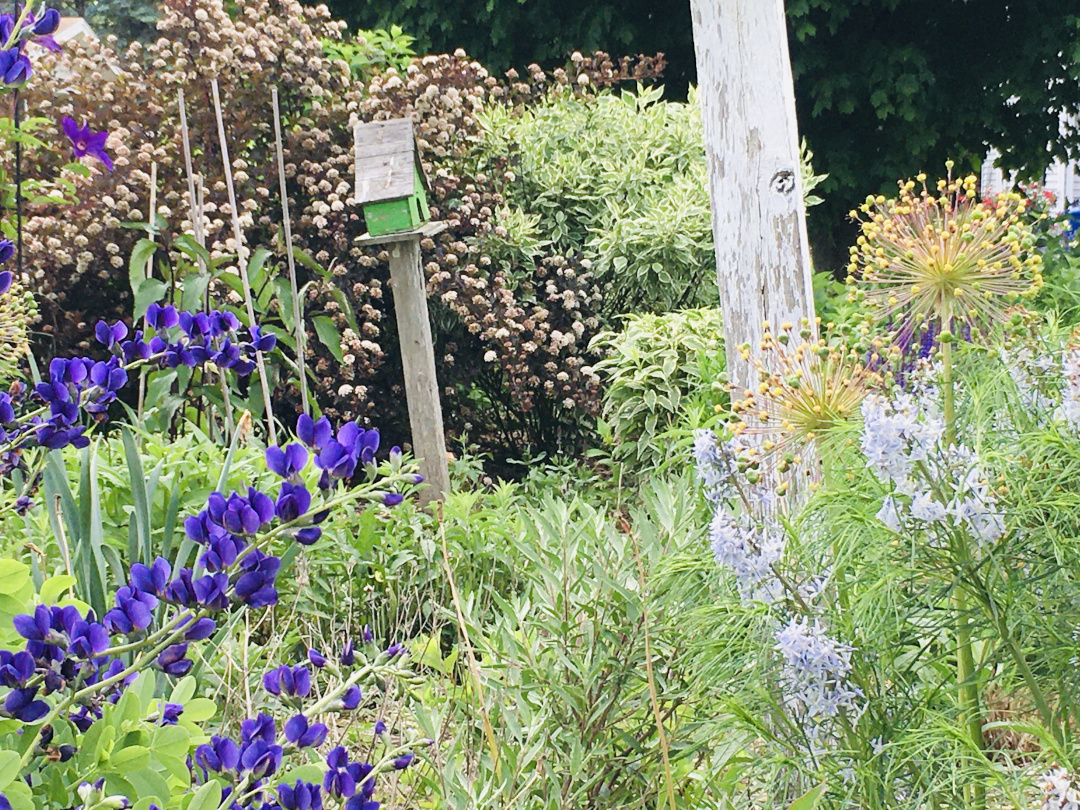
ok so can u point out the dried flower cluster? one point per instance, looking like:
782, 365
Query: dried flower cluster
537, 323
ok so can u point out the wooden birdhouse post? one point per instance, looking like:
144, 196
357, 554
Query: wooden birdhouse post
390, 187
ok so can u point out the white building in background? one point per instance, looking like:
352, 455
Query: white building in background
1060, 179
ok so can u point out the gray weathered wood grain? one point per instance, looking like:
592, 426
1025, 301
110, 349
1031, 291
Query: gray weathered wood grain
751, 142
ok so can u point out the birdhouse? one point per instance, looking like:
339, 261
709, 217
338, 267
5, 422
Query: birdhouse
390, 185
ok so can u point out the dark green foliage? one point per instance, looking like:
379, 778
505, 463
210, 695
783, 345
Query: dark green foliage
885, 88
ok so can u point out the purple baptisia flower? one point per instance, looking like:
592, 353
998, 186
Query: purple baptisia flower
7, 250
300, 796
7, 278
348, 654
403, 762
293, 501
304, 735
290, 681
351, 698
238, 514
153, 579
84, 142
200, 629
162, 317
181, 590
212, 591
15, 67
88, 639
16, 669
260, 727
316, 658
133, 611
173, 660
314, 434
287, 462
21, 705
260, 758
110, 335
220, 754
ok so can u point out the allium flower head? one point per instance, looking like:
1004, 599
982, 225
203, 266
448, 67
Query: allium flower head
807, 391
944, 257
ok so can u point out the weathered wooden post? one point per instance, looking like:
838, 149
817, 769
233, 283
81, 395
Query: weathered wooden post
390, 187
752, 147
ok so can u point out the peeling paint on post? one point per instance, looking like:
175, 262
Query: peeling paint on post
752, 146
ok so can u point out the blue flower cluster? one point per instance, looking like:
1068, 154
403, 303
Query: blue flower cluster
80, 385
15, 32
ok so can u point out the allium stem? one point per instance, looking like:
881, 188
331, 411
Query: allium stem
967, 685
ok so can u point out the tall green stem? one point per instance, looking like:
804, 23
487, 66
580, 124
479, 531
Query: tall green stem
967, 682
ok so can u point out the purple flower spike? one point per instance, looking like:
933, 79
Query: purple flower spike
303, 735
84, 142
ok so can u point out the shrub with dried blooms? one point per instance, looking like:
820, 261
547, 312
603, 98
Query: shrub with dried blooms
513, 347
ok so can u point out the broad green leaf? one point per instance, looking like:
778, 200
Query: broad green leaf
207, 797
54, 587
328, 334
130, 759
810, 799
9, 768
13, 576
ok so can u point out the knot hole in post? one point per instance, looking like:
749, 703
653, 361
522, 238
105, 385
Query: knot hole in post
783, 182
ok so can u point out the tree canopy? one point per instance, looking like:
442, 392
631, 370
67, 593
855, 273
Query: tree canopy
885, 88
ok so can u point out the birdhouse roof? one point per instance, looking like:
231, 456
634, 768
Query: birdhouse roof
386, 159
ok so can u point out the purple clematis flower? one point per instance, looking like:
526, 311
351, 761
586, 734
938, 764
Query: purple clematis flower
84, 142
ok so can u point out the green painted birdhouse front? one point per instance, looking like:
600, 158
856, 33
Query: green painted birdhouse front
389, 181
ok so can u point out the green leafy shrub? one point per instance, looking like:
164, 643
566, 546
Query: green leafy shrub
619, 180
660, 372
